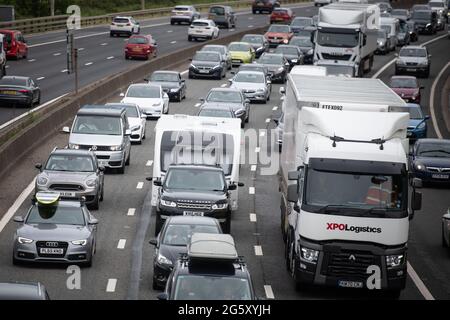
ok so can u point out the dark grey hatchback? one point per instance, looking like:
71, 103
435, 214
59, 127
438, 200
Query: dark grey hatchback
23, 291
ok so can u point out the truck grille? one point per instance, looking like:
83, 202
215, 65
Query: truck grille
95, 148
344, 57
348, 265
66, 187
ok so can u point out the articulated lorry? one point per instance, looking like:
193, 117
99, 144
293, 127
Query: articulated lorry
346, 37
344, 183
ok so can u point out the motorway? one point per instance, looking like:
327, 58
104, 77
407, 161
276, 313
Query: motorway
126, 272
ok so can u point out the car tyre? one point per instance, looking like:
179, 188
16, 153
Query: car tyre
15, 261
189, 38
121, 170
102, 194
226, 227
96, 204
158, 224
127, 163
155, 285
444, 243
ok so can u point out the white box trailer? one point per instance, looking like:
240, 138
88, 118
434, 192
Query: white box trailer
183, 139
347, 36
344, 183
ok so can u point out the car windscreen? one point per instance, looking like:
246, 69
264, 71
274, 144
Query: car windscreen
413, 52
224, 96
434, 149
5, 81
271, 59
399, 12
180, 234
164, 77
218, 113
70, 163
302, 22
334, 39
381, 35
194, 179
239, 47
422, 15
255, 77
245, 67
403, 83
304, 33
138, 40
200, 24
301, 42
206, 56
121, 20
220, 11
279, 28
96, 124
46, 214
221, 50
150, 92
252, 39
202, 287
287, 50
191, 147
386, 28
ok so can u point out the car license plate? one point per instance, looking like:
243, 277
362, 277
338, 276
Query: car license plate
67, 194
136, 49
9, 92
410, 69
193, 213
260, 4
440, 176
350, 284
203, 71
51, 251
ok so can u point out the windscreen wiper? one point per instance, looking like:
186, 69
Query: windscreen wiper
331, 208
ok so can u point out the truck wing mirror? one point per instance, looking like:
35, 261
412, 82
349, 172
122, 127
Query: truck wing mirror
292, 193
293, 175
417, 183
416, 201
157, 182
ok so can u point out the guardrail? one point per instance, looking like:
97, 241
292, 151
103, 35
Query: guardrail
45, 24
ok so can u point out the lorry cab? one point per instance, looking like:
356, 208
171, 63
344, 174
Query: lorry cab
392, 28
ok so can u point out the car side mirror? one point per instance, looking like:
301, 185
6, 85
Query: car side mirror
241, 184
127, 132
269, 81
93, 222
146, 79
157, 182
282, 91
149, 178
38, 166
122, 95
162, 296
429, 56
202, 99
66, 129
239, 112
276, 120
101, 169
230, 80
233, 72
293, 193
190, 59
232, 187
427, 117
18, 219
421, 87
153, 242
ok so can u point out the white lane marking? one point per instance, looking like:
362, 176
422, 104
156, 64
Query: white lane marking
81, 49
140, 185
269, 292
257, 149
223, 85
432, 111
262, 134
250, 26
184, 72
149, 163
275, 108
251, 190
268, 120
250, 18
169, 31
109, 58
258, 251
173, 42
57, 54
104, 44
16, 205
253, 168
6, 67
121, 244
252, 217
131, 212
198, 105
419, 283
111, 286
88, 64
29, 112
64, 71
40, 78
32, 60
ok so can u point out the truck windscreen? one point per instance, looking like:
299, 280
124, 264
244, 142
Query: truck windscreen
335, 39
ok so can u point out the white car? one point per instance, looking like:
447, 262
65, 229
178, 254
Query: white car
136, 120
322, 2
150, 98
124, 25
203, 29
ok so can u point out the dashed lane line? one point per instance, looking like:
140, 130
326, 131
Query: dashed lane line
111, 286
131, 212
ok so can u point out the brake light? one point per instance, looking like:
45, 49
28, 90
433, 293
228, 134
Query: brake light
128, 24
208, 28
23, 91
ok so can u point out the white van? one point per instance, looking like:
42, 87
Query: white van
392, 27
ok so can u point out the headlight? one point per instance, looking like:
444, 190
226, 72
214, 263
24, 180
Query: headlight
216, 67
42, 181
219, 206
74, 146
137, 128
23, 240
91, 183
419, 166
310, 52
424, 63
174, 89
294, 60
192, 66
115, 148
394, 260
260, 90
259, 49
281, 69
285, 41
428, 25
421, 126
168, 203
309, 255
157, 104
79, 242
163, 260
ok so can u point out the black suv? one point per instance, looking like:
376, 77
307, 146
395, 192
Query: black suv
211, 270
425, 20
259, 6
194, 190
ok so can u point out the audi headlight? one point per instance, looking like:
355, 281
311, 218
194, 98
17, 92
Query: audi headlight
42, 181
428, 25
91, 183
115, 148
219, 206
395, 260
309, 255
79, 242
23, 240
168, 203
74, 146
419, 166
163, 260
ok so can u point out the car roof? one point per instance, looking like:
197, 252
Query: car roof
214, 45
117, 105
123, 17
215, 107
203, 20
206, 51
413, 47
225, 89
72, 152
143, 85
16, 77
21, 291
166, 71
72, 203
192, 220
253, 35
404, 77
107, 112
250, 72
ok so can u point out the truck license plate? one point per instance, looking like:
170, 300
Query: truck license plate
193, 213
440, 176
350, 284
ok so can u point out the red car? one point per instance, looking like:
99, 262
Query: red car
15, 44
282, 15
407, 87
278, 34
140, 47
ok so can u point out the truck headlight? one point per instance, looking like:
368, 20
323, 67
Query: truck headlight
163, 260
74, 146
115, 148
168, 203
309, 255
91, 183
219, 206
42, 181
23, 240
395, 260
82, 242
419, 166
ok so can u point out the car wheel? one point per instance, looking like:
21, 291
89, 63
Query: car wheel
242, 124
247, 119
172, 23
189, 38
158, 224
121, 170
111, 34
102, 195
15, 261
226, 226
155, 285
444, 243
191, 76
180, 97
427, 74
128, 160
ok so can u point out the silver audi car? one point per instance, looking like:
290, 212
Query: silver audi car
74, 174
55, 230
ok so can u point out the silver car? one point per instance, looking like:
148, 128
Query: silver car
185, 14
413, 60
55, 230
446, 229
74, 174
253, 84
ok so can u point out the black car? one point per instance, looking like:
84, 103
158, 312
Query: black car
259, 6
194, 190
425, 20
293, 54
430, 160
300, 23
171, 82
172, 241
19, 91
277, 65
211, 270
207, 64
23, 291
306, 47
258, 42
413, 33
